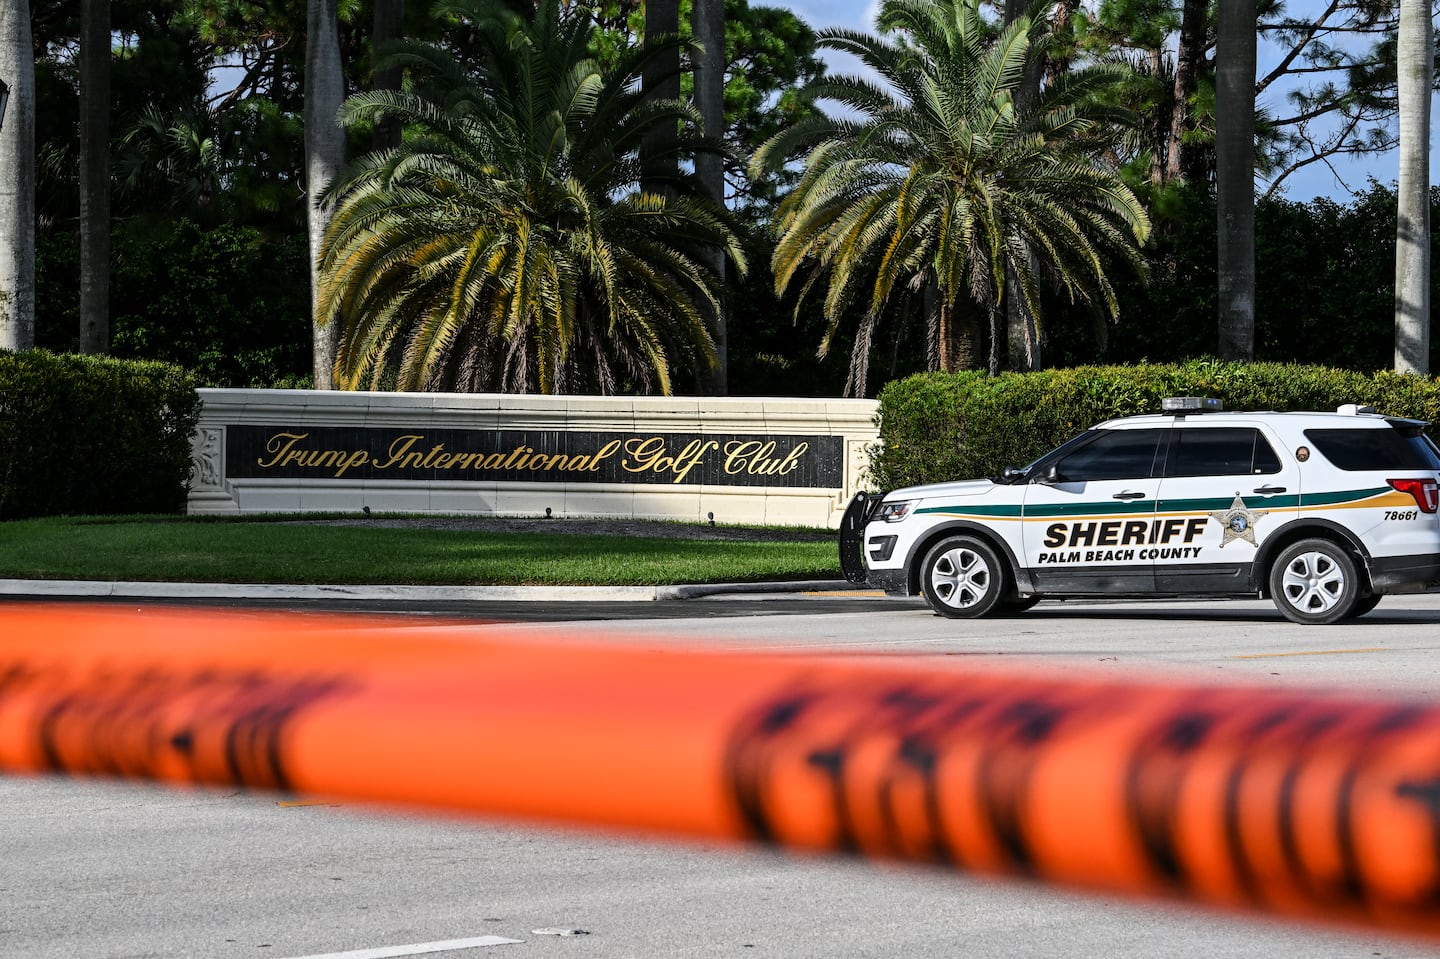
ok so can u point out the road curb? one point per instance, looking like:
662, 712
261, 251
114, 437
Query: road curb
549, 594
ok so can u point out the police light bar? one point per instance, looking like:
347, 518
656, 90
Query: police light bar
1191, 404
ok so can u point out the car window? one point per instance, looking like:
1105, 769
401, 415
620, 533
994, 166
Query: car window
1112, 455
1055, 455
1220, 451
1356, 448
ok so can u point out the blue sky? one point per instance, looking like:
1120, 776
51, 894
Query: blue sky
1307, 184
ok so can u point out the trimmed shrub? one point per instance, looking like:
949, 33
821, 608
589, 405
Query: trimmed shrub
944, 426
227, 302
93, 435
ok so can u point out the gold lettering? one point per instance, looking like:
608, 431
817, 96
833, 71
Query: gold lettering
737, 456
324, 458
691, 456
274, 445
792, 462
638, 455
398, 449
604, 452
758, 459
357, 458
649, 455
283, 446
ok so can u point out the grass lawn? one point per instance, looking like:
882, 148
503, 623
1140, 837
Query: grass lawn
248, 550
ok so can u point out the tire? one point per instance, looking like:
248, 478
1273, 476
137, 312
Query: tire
1364, 604
962, 577
1013, 607
1314, 582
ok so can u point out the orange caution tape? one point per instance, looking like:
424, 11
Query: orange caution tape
1288, 802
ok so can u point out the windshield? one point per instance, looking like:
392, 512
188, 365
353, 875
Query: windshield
1017, 475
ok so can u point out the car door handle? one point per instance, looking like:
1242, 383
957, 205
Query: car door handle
1269, 489
1128, 495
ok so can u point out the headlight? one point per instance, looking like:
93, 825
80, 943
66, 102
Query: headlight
894, 512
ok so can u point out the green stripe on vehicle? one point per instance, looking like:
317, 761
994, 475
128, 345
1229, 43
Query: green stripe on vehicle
993, 512
1195, 505
1330, 499
1126, 508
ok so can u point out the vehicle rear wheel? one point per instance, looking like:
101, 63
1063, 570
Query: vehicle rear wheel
1314, 582
962, 577
1364, 604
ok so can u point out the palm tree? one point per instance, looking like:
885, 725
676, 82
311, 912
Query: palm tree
661, 79
939, 186
324, 157
95, 55
707, 19
17, 180
504, 245
1235, 176
165, 160
388, 26
1416, 61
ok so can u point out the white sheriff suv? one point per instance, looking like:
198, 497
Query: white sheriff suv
1322, 512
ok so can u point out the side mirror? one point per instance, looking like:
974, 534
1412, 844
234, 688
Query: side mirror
1012, 473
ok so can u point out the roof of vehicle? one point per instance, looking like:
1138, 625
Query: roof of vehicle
1345, 416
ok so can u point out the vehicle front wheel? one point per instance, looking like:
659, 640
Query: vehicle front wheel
1013, 607
962, 577
1314, 582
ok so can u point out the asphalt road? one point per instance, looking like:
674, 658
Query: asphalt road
110, 871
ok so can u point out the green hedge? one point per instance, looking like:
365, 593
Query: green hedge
87, 435
944, 426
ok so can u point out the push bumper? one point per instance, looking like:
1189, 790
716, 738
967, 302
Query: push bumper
893, 581
852, 536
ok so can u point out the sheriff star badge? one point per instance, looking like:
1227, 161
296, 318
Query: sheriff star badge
1238, 521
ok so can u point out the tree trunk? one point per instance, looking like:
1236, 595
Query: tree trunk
1415, 58
661, 80
1023, 333
95, 56
1029, 87
961, 339
1020, 340
324, 156
707, 24
1057, 65
1157, 121
17, 179
1180, 160
1235, 176
389, 25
